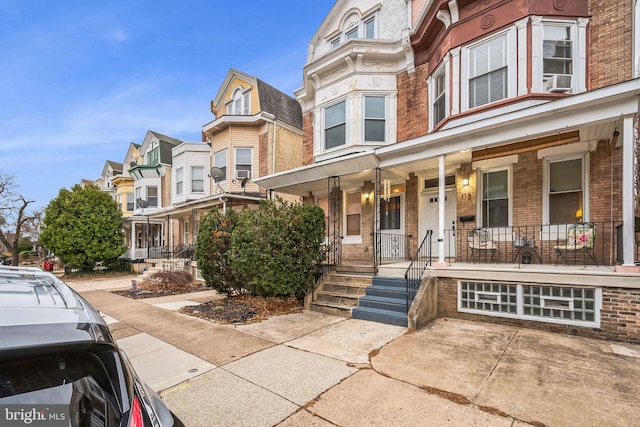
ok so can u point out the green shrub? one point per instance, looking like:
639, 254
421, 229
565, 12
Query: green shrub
277, 247
271, 251
213, 250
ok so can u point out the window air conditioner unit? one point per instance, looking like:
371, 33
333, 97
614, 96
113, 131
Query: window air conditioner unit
242, 174
559, 83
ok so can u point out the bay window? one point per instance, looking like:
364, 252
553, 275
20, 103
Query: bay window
197, 179
179, 180
374, 118
335, 125
220, 162
244, 165
488, 71
152, 196
557, 49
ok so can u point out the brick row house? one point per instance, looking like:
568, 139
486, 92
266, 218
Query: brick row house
488, 143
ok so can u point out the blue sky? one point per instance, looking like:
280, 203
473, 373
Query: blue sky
81, 79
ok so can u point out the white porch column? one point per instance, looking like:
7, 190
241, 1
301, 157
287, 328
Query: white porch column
132, 246
441, 208
628, 238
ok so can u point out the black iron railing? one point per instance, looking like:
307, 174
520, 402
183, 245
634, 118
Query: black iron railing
419, 263
172, 258
391, 247
590, 243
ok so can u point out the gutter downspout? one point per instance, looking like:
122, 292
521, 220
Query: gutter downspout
273, 162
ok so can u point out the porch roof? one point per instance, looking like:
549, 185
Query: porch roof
204, 203
595, 114
312, 178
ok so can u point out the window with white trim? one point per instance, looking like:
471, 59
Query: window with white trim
559, 50
495, 198
197, 179
152, 196
220, 162
370, 28
356, 27
153, 154
335, 125
374, 118
179, 180
438, 88
565, 195
130, 205
558, 56
240, 103
351, 34
244, 163
488, 71
353, 213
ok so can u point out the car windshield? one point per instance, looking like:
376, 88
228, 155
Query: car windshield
78, 381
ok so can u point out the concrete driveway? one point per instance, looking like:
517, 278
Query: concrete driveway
311, 369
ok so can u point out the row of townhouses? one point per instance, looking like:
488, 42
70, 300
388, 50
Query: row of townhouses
481, 148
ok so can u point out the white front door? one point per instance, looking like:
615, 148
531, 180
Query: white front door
393, 243
429, 208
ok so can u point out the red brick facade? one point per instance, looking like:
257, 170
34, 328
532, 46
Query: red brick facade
610, 35
413, 100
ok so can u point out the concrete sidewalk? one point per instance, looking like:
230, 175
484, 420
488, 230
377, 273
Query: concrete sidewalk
316, 370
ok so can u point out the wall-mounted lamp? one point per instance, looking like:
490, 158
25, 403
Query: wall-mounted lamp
466, 195
366, 197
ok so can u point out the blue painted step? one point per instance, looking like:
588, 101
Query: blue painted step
380, 316
385, 301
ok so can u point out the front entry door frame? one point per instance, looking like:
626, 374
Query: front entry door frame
429, 219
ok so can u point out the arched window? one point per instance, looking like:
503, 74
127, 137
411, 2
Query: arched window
240, 103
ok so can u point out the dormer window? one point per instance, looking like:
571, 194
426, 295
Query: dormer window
356, 27
240, 103
351, 34
153, 154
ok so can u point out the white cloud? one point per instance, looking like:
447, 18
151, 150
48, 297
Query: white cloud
117, 35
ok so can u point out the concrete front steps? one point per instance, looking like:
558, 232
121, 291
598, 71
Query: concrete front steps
385, 301
339, 292
355, 292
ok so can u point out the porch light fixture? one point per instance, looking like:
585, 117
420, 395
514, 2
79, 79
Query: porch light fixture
465, 182
366, 197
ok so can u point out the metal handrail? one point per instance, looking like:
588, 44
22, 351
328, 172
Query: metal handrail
417, 267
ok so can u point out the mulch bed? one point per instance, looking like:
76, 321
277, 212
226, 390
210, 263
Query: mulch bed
152, 290
244, 309
230, 310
